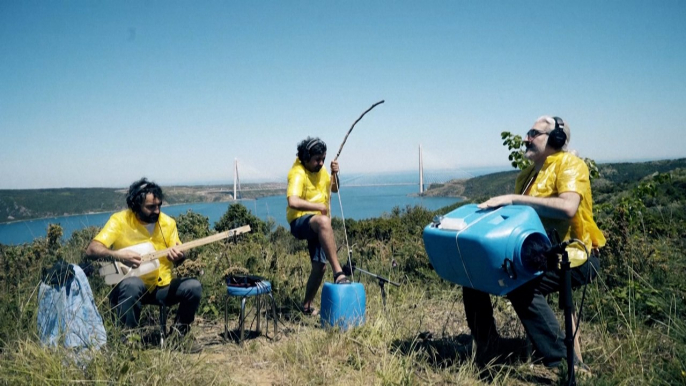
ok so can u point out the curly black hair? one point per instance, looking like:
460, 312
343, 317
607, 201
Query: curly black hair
310, 147
139, 190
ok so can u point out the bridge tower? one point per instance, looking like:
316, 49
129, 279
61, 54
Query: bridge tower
421, 171
236, 180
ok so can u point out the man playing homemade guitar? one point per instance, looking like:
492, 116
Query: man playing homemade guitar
144, 223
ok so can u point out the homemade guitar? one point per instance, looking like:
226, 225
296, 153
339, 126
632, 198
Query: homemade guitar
117, 271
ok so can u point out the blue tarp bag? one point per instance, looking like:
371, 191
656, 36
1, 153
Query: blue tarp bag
67, 314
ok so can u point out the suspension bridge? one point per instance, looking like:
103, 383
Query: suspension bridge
425, 175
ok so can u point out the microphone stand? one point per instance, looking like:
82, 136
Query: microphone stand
565, 298
351, 267
382, 281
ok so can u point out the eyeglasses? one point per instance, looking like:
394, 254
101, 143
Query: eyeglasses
533, 133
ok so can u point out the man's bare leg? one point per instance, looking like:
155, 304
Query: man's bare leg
313, 283
322, 226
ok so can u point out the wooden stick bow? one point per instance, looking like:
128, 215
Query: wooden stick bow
353, 126
341, 148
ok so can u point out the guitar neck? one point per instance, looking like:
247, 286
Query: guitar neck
196, 243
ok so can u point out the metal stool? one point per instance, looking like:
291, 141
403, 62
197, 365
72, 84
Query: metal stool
250, 288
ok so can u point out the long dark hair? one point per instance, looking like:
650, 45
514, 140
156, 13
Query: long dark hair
139, 190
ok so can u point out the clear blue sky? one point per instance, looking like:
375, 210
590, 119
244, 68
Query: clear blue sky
100, 93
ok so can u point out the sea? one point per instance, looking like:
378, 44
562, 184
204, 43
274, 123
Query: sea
360, 197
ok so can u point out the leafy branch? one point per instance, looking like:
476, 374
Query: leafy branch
518, 160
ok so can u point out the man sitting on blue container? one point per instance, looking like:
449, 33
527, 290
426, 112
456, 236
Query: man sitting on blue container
309, 188
557, 186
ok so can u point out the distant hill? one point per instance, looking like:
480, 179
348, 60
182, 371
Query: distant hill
621, 174
27, 204
488, 185
612, 176
39, 203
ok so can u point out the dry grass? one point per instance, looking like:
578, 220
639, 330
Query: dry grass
421, 338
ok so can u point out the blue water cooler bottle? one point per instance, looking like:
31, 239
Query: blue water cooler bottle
343, 305
490, 250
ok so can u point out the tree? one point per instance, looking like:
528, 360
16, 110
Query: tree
516, 145
518, 160
238, 215
192, 226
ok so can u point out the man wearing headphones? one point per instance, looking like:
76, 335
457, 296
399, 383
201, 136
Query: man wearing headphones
309, 188
143, 222
557, 186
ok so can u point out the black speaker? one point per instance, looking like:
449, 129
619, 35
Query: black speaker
557, 138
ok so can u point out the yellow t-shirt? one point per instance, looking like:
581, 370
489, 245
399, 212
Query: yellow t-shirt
565, 172
124, 230
311, 187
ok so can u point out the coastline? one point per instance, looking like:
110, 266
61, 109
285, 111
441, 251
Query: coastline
119, 209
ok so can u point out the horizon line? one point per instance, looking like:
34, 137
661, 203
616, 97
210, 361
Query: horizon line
494, 169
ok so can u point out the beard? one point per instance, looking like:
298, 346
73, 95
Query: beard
530, 149
314, 169
150, 219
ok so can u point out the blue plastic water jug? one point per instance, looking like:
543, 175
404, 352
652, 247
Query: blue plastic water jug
488, 250
343, 305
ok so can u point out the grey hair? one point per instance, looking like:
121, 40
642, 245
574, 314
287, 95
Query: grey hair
550, 126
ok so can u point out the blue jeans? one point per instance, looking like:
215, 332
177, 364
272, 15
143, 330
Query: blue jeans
128, 297
531, 306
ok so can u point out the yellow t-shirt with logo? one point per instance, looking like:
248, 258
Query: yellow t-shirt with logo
565, 172
311, 187
124, 230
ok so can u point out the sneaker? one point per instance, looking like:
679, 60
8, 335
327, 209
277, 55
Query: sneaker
552, 364
132, 340
184, 343
501, 350
191, 347
487, 351
582, 370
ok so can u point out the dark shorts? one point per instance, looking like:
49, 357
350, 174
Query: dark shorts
300, 228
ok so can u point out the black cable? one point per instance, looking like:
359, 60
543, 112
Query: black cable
583, 294
162, 233
572, 378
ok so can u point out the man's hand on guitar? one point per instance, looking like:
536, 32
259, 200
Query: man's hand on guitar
134, 255
128, 257
175, 255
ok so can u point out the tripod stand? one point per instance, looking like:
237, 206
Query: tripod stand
349, 268
565, 297
382, 282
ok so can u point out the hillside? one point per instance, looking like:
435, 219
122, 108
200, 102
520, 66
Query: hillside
27, 204
612, 176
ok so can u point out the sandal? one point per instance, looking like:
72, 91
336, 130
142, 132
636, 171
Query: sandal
345, 279
309, 310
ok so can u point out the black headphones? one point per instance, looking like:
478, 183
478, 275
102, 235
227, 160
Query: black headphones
310, 145
557, 138
133, 197
307, 151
